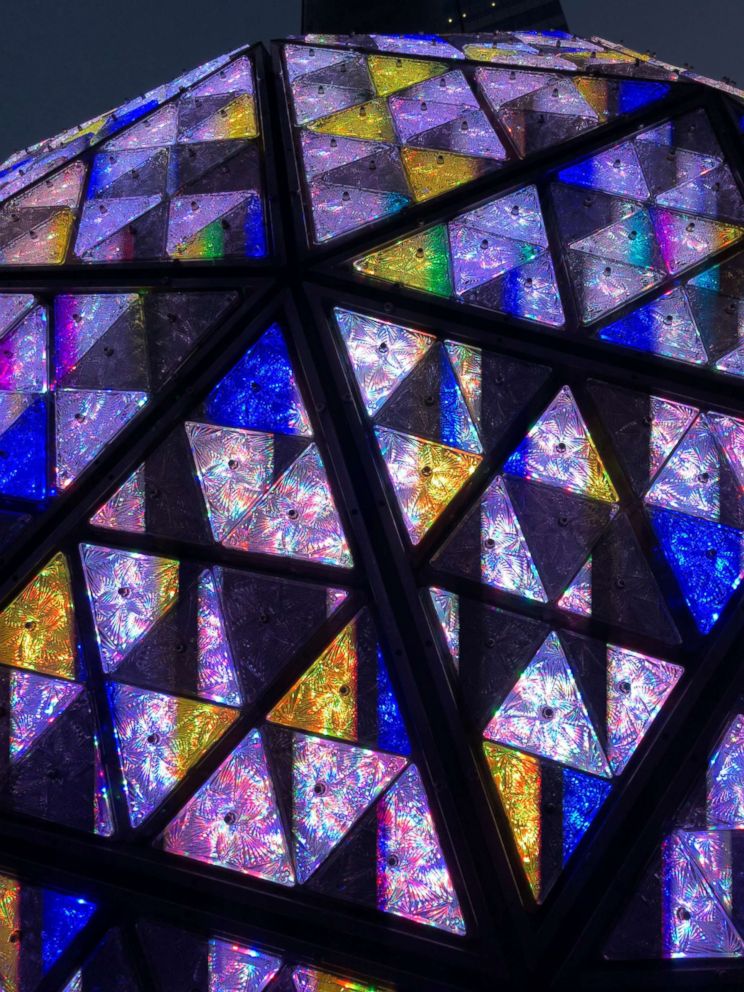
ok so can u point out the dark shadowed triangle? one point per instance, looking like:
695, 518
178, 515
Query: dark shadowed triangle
560, 528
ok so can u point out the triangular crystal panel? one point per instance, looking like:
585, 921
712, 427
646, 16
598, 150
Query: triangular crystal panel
37, 627
125, 509
559, 451
35, 703
296, 518
381, 353
333, 784
425, 476
545, 714
232, 821
637, 688
129, 592
159, 738
412, 876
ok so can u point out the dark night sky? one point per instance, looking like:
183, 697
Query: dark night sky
61, 63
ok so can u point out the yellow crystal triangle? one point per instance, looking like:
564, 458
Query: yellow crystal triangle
390, 73
52, 234
197, 726
426, 476
10, 897
36, 629
324, 699
596, 92
518, 781
431, 173
419, 262
235, 120
369, 121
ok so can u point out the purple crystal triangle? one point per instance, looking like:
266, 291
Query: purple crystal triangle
238, 968
544, 714
23, 354
381, 353
83, 319
35, 703
730, 434
324, 152
616, 170
159, 738
451, 87
603, 284
685, 239
333, 784
296, 518
629, 240
516, 215
101, 219
695, 923
124, 509
413, 880
637, 688
478, 256
159, 128
559, 451
725, 799
411, 117
233, 820
86, 420
338, 210
506, 561
191, 214
216, 679
235, 467
693, 479
12, 306
578, 597
129, 592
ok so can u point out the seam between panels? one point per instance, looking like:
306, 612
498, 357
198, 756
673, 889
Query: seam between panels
132, 866
698, 714
415, 655
125, 451
579, 890
324, 397
325, 404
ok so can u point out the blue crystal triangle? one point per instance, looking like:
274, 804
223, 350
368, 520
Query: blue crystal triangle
63, 917
391, 730
583, 796
707, 558
23, 470
260, 392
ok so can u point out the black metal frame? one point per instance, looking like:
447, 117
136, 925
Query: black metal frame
509, 941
